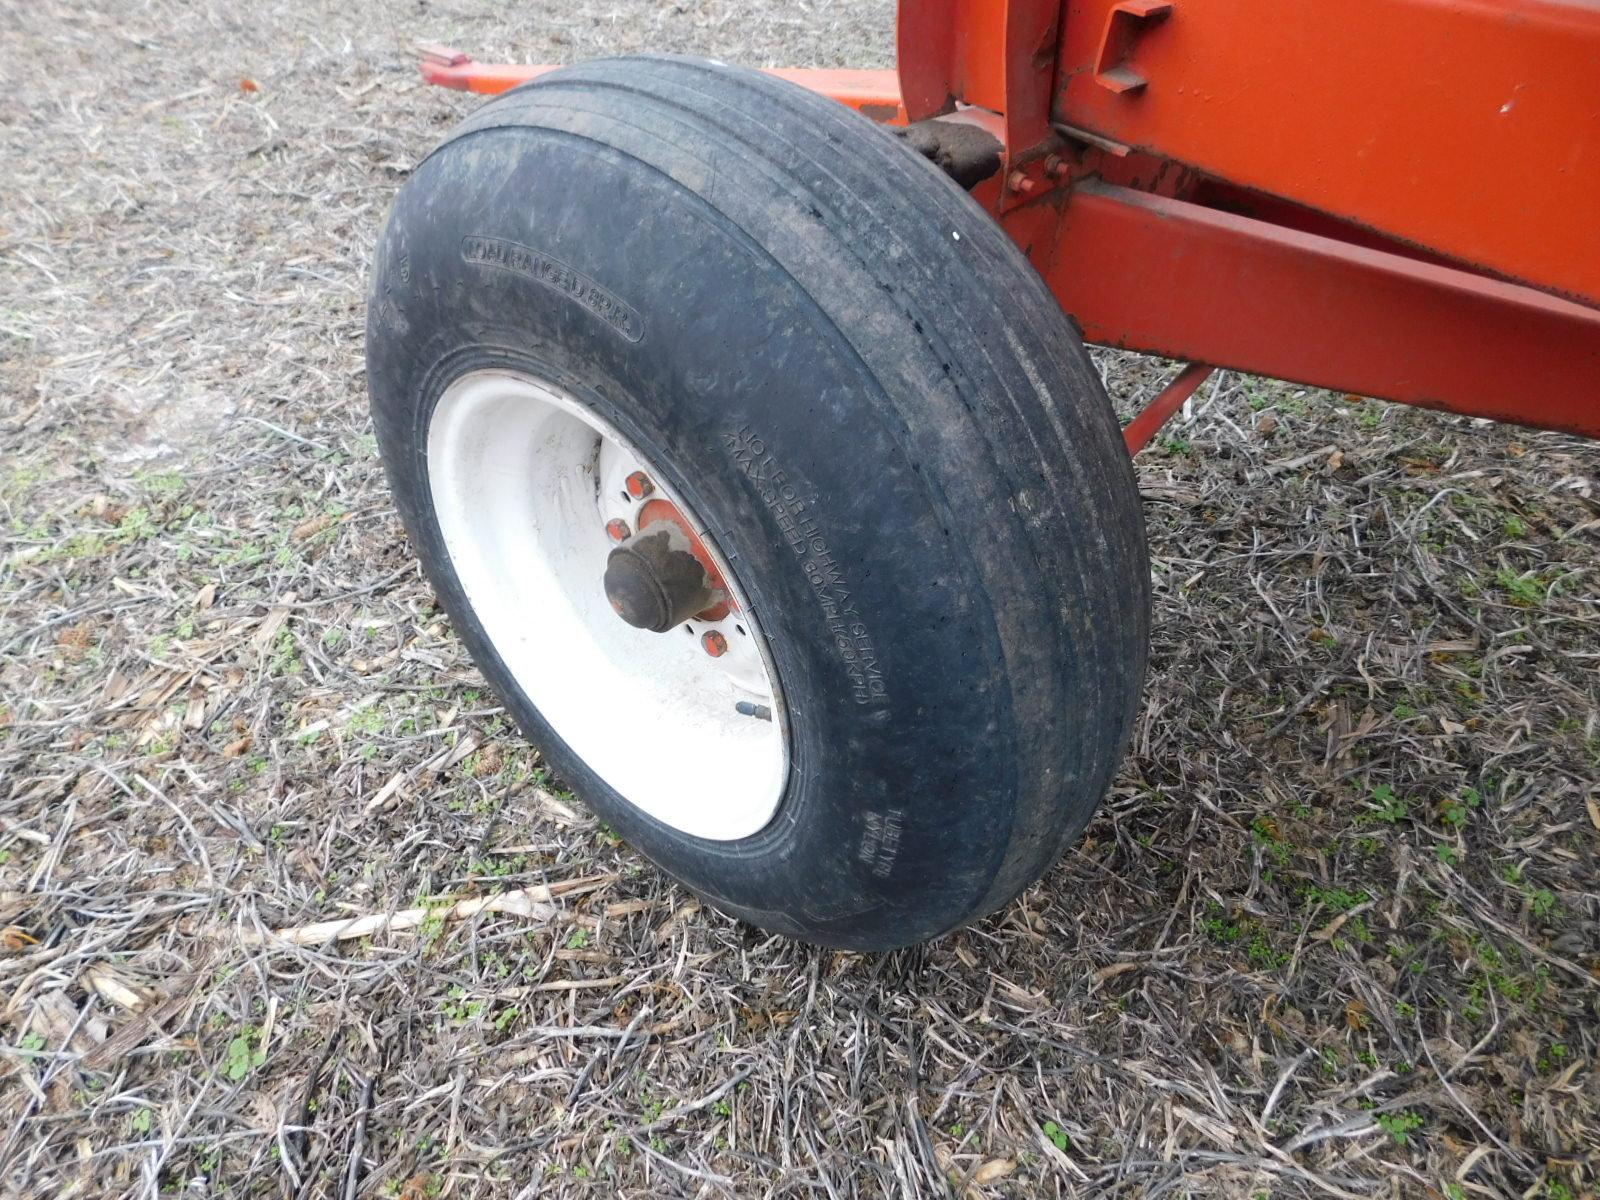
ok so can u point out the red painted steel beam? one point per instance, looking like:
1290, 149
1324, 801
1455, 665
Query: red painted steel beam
1169, 277
1271, 296
1136, 434
1468, 127
993, 54
874, 94
445, 66
948, 51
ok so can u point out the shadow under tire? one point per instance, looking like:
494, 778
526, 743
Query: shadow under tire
864, 398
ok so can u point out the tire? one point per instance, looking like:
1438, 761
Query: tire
880, 419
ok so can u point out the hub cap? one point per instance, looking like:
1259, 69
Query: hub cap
654, 581
610, 641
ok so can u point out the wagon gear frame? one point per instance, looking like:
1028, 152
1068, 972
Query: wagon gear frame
661, 347
1294, 195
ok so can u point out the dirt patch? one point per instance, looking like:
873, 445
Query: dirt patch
1335, 931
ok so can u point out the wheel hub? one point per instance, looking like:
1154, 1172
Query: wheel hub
654, 580
663, 575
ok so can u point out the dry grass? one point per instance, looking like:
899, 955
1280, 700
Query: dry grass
1336, 931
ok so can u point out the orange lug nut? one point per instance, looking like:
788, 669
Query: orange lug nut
639, 485
617, 529
715, 644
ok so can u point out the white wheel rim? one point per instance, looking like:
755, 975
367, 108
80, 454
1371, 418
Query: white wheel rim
524, 478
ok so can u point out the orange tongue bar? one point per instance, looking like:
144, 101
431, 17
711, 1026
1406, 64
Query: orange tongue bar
664, 510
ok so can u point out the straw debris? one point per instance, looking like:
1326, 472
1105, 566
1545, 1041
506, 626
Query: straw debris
288, 909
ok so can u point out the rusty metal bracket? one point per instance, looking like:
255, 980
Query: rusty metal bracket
1036, 177
1125, 25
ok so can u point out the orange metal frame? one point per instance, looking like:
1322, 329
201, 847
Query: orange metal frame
1391, 197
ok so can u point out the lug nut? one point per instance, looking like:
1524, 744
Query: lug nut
617, 529
639, 485
715, 644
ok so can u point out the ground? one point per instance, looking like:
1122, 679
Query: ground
1334, 932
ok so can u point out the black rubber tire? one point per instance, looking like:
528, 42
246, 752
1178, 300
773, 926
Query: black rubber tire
805, 325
